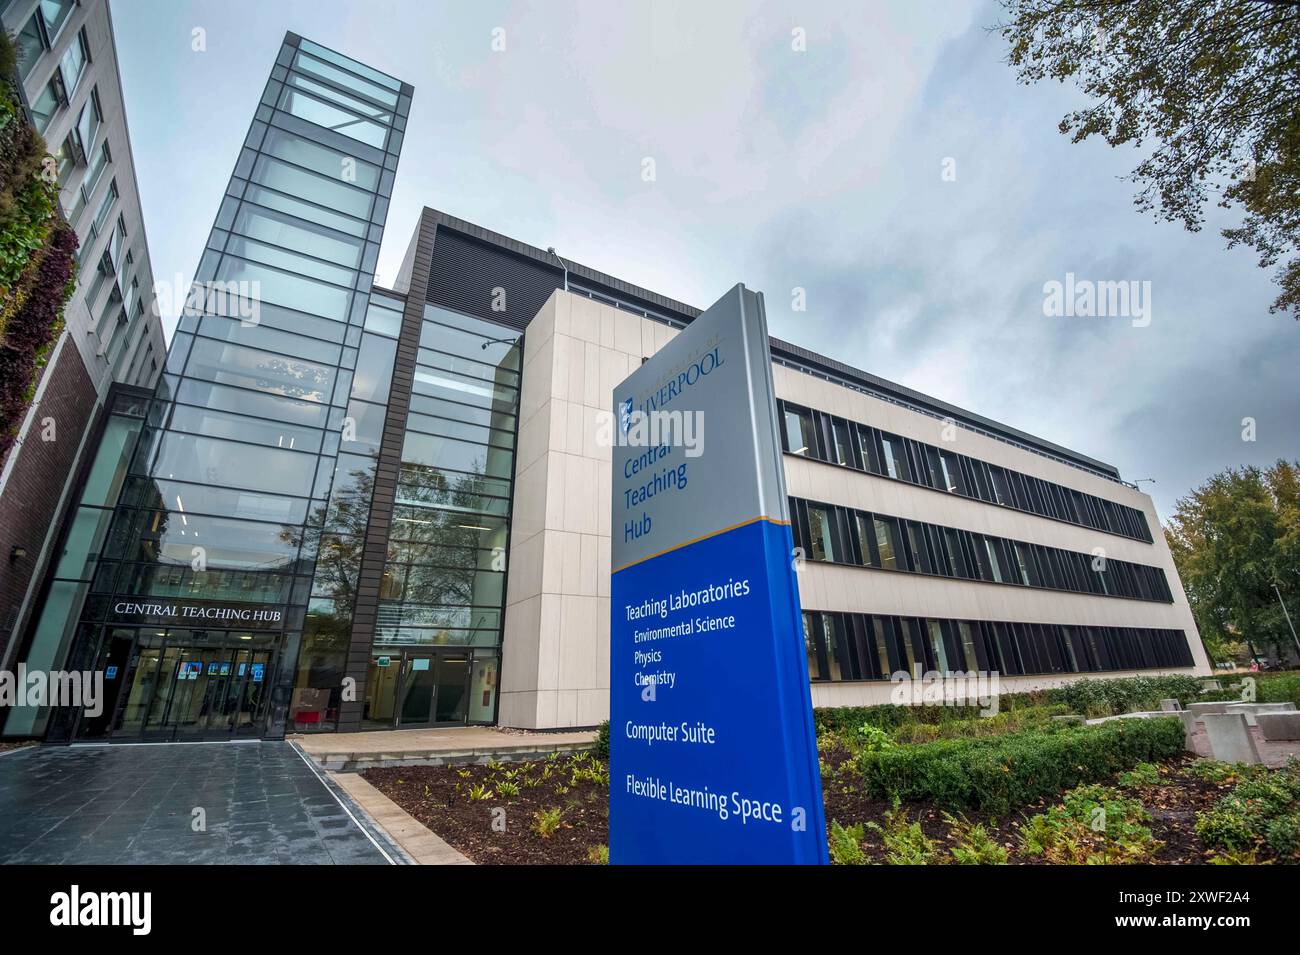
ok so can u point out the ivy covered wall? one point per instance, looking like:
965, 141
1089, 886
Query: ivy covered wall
37, 255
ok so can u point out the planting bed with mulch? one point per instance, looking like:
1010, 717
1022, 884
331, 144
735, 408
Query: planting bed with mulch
5, 747
458, 804
462, 803
1173, 805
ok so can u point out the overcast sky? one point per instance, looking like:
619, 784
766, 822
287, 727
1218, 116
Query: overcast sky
820, 169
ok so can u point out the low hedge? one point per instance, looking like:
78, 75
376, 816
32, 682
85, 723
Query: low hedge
1127, 694
1278, 688
890, 716
998, 774
1090, 697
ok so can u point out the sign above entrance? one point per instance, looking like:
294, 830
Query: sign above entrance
188, 613
713, 758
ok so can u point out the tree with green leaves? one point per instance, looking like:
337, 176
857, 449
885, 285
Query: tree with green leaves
1233, 539
1210, 89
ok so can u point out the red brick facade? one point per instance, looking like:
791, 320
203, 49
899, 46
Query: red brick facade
30, 499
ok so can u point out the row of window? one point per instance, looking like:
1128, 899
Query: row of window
842, 535
836, 440
80, 150
858, 646
39, 34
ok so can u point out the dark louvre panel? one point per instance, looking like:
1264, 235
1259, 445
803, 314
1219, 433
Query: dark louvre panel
464, 274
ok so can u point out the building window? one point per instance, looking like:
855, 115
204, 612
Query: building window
798, 431
866, 540
967, 637
834, 647
50, 100
895, 457
861, 447
810, 647
101, 161
105, 207
73, 63
952, 479
822, 537
828, 532
846, 646
42, 30
937, 649
843, 443
885, 543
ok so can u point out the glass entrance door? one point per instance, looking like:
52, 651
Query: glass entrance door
174, 690
411, 688
418, 689
451, 689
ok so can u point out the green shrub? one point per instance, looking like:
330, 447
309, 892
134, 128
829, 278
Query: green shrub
1012, 721
546, 822
1215, 771
1224, 828
1240, 857
1262, 808
906, 842
1097, 697
974, 844
1127, 694
873, 739
1141, 776
846, 844
601, 748
1283, 834
1278, 688
1093, 825
1003, 773
890, 716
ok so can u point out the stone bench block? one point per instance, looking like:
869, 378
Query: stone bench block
1252, 710
1230, 738
1275, 727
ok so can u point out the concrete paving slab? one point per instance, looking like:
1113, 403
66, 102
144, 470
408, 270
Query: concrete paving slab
260, 802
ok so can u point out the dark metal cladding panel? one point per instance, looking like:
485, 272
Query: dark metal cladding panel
464, 275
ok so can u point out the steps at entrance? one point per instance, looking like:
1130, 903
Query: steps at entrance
353, 752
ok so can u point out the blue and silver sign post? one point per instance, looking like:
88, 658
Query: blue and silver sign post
713, 758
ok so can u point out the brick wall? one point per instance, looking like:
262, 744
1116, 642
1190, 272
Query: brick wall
30, 498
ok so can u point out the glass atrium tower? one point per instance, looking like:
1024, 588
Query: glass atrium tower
224, 515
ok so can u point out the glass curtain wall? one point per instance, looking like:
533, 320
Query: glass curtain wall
322, 660
85, 538
245, 480
443, 589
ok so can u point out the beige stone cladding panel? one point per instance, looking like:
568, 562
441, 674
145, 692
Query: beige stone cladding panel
555, 663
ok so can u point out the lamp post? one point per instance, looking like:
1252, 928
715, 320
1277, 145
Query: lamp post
1286, 614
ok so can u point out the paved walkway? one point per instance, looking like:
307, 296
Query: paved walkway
1271, 753
349, 752
135, 804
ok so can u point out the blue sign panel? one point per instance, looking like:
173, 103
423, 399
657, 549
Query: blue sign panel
713, 758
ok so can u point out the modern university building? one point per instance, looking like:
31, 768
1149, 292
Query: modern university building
368, 508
